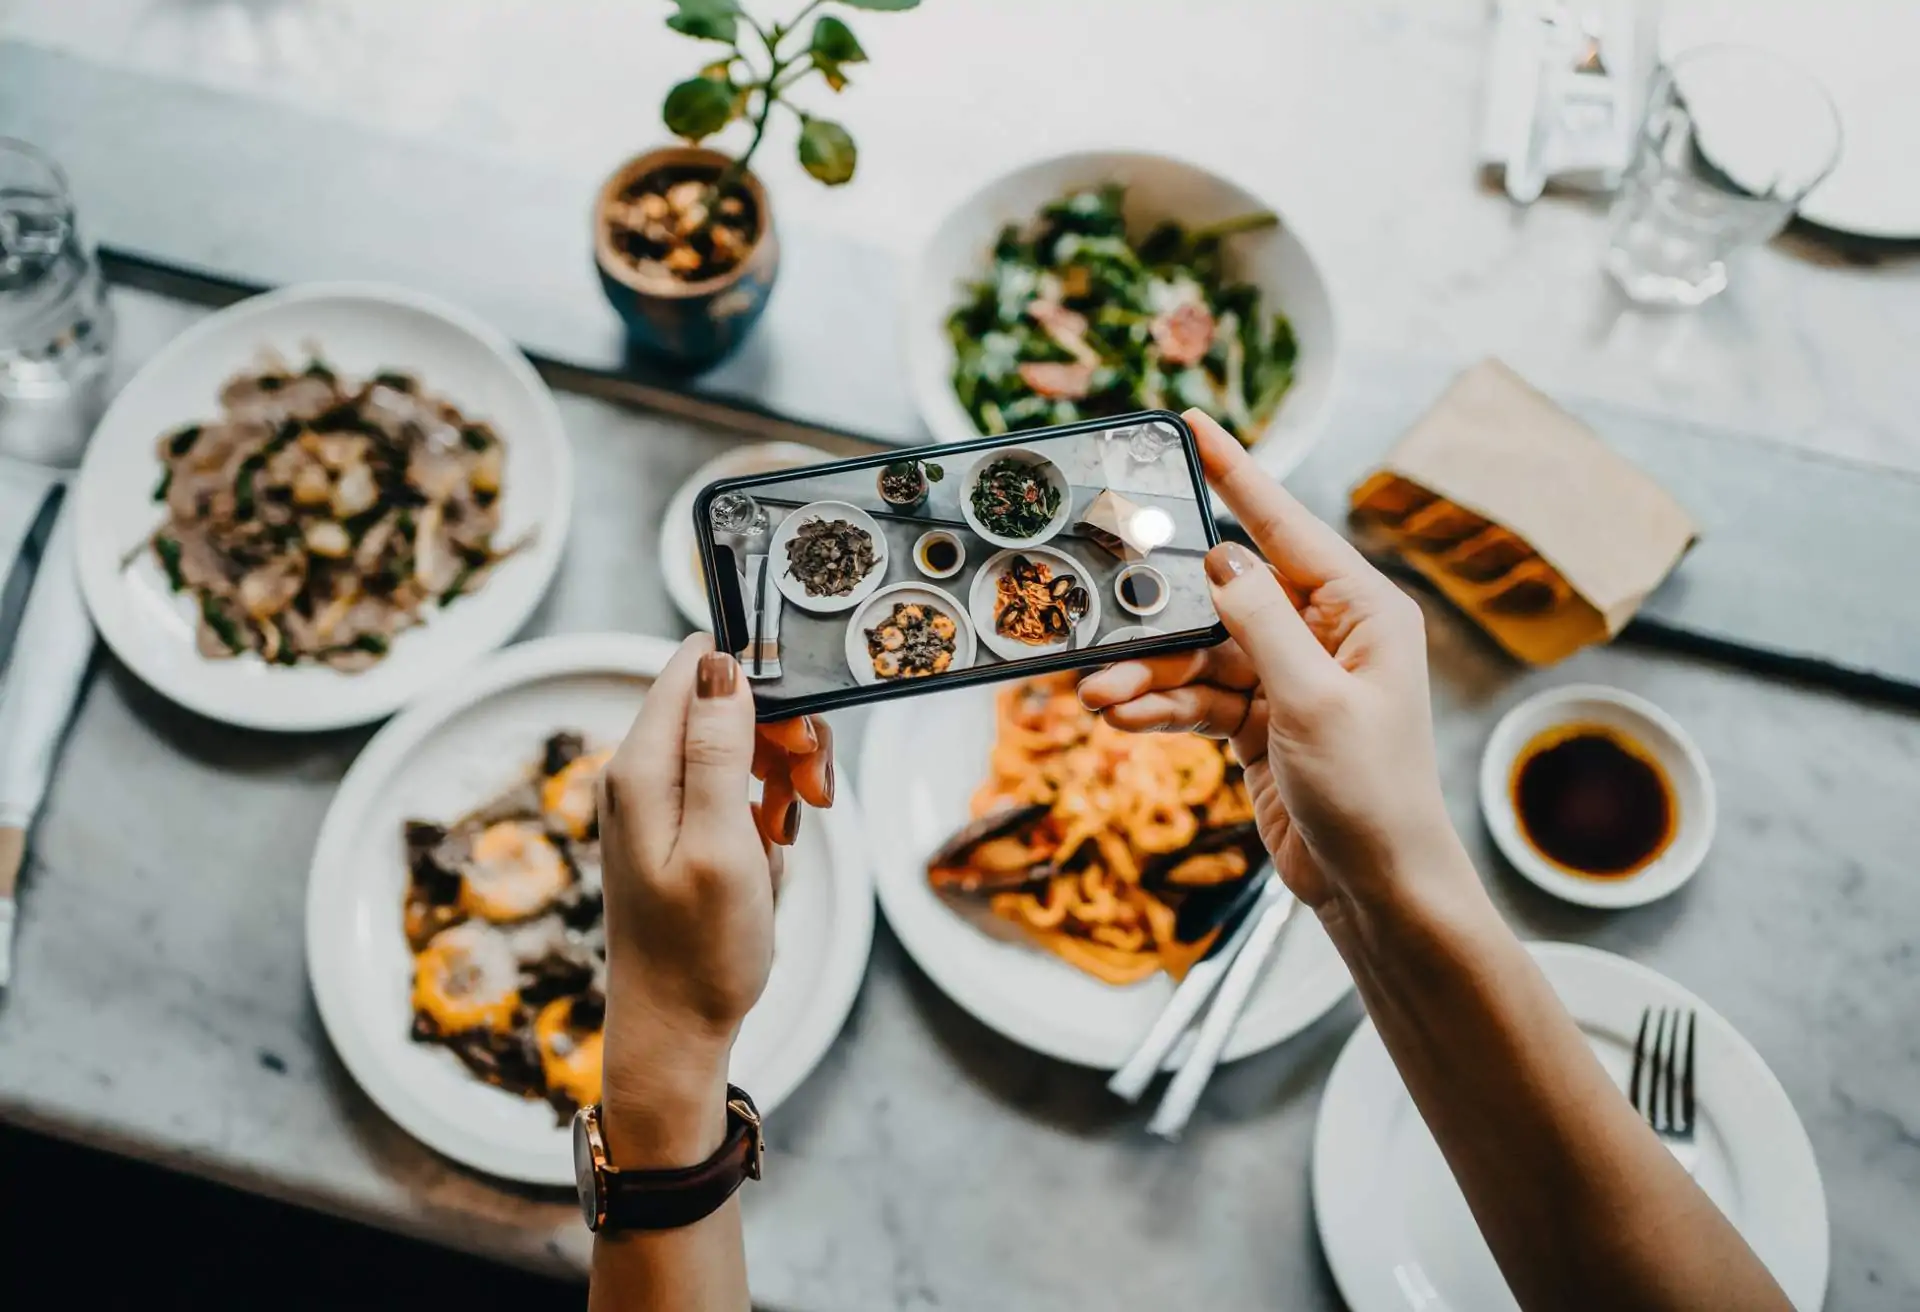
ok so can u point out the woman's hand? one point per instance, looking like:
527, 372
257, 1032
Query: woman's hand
1323, 692
691, 867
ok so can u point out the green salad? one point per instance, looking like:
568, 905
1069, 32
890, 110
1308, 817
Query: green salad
1014, 499
1076, 320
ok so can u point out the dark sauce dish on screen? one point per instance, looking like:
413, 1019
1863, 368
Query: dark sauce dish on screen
1145, 539
1597, 796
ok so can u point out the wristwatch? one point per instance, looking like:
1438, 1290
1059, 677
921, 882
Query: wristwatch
613, 1199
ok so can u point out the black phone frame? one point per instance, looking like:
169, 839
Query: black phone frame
973, 676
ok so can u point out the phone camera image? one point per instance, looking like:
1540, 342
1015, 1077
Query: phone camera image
1040, 545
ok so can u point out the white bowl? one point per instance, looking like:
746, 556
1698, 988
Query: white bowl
881, 604
1132, 571
1276, 261
1033, 460
939, 535
1644, 723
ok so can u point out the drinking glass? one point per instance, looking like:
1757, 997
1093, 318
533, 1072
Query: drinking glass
55, 327
1733, 139
736, 512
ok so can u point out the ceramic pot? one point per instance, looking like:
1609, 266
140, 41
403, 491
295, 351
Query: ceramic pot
688, 324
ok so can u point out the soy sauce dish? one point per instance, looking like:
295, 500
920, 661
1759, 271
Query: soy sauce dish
1597, 796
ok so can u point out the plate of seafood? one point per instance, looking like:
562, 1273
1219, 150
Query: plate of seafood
830, 556
908, 631
1033, 602
1055, 876
455, 941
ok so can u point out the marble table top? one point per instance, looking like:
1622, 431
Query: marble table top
161, 1008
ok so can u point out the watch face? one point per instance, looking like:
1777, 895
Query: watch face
585, 1179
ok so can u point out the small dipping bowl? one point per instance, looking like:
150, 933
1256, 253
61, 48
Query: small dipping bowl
1609, 712
1145, 572
930, 537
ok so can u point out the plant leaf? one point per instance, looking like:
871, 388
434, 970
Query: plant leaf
707, 20
827, 152
881, 6
698, 107
834, 42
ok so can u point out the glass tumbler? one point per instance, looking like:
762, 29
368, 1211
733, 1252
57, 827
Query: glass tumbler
56, 330
1734, 138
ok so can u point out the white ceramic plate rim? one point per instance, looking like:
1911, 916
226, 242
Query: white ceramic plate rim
950, 950
1672, 869
980, 598
676, 531
1033, 459
243, 690
331, 960
1785, 1204
858, 663
791, 588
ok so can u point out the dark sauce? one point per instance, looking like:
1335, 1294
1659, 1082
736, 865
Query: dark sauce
941, 554
1141, 591
1593, 801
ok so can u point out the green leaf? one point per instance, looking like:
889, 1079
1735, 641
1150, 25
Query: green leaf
834, 42
827, 152
881, 6
707, 20
698, 107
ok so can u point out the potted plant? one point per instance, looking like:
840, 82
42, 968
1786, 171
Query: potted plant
904, 484
683, 235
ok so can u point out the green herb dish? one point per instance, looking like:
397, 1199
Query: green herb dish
1075, 320
1015, 498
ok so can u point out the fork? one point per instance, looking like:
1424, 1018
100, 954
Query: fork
1668, 1085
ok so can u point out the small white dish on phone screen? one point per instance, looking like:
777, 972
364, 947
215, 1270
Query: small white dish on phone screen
1040, 465
680, 554
793, 590
880, 605
928, 539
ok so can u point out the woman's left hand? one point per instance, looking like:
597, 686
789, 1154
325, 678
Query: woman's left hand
690, 869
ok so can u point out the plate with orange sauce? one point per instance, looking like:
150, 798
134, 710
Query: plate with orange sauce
1597, 796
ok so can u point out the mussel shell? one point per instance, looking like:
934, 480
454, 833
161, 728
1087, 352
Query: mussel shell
1245, 836
1056, 622
955, 851
1206, 909
1062, 584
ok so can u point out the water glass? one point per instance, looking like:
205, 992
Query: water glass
738, 513
1734, 139
56, 330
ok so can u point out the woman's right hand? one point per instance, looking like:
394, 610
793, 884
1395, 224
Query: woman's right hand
1323, 691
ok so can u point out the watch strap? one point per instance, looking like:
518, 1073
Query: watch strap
679, 1196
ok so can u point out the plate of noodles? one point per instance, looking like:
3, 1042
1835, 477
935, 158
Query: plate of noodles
1050, 872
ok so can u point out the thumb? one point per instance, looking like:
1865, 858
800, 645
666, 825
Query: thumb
718, 754
1257, 611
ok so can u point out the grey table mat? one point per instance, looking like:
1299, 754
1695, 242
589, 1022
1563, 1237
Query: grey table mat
1803, 562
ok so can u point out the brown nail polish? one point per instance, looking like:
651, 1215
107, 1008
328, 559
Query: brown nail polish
1227, 562
829, 787
716, 675
790, 827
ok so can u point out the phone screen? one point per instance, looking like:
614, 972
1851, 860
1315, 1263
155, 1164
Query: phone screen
891, 574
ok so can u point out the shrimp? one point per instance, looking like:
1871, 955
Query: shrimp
887, 664
513, 871
943, 626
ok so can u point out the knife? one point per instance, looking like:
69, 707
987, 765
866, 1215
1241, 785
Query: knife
1190, 1081
760, 618
1203, 977
50, 657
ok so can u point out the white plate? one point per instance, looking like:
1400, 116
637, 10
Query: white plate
1276, 261
444, 756
881, 604
1397, 1232
358, 329
791, 588
1862, 52
980, 601
1033, 460
1644, 723
920, 762
679, 557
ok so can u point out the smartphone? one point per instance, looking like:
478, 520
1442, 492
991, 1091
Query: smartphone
940, 567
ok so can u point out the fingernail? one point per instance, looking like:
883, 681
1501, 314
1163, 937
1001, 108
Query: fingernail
716, 675
813, 738
829, 788
790, 827
1229, 561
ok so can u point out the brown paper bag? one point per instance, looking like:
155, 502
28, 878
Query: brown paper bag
1522, 517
